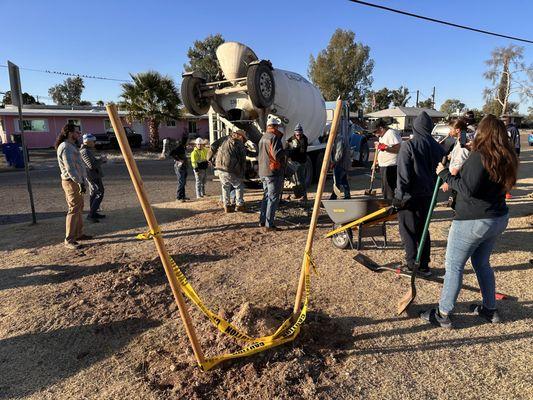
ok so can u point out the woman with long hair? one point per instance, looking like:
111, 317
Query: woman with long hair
73, 183
481, 217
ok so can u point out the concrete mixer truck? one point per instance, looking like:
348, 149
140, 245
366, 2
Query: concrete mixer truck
251, 90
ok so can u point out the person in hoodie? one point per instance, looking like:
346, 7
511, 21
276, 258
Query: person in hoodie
93, 166
417, 160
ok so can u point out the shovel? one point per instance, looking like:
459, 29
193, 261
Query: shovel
408, 298
369, 191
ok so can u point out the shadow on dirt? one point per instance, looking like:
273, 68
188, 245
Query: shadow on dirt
35, 361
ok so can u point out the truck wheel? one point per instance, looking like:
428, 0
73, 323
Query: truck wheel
192, 96
260, 82
308, 171
364, 152
342, 240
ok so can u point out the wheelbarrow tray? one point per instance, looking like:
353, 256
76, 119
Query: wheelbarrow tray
344, 211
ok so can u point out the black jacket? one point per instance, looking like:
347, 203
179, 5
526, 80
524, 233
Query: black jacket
179, 154
477, 196
417, 162
297, 149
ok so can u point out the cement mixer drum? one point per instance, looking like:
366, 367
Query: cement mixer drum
234, 59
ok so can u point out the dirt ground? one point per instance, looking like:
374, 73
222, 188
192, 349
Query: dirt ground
101, 323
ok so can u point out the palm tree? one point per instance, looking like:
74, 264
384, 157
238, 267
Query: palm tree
151, 97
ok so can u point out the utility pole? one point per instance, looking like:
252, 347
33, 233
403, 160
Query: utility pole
417, 92
433, 96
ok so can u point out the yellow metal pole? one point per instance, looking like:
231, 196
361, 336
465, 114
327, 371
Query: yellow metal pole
154, 227
316, 205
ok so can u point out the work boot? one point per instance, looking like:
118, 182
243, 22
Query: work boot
491, 316
93, 219
229, 209
272, 228
422, 271
84, 237
241, 208
434, 317
99, 216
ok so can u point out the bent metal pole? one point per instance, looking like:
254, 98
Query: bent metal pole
316, 206
154, 227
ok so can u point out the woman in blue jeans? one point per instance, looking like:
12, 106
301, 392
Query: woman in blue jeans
481, 217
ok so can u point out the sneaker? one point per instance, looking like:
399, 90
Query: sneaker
261, 224
508, 196
491, 316
434, 317
99, 216
72, 245
240, 208
229, 209
93, 219
422, 271
84, 237
272, 228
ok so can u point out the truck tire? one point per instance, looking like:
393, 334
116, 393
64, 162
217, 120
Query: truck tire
260, 82
192, 96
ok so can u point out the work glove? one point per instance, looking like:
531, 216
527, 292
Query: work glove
382, 147
82, 188
398, 204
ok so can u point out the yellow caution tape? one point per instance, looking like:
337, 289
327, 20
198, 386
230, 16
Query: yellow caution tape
287, 331
148, 234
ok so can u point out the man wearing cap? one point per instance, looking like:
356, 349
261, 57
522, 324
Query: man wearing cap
231, 165
199, 166
93, 166
417, 160
272, 162
387, 148
297, 149
179, 154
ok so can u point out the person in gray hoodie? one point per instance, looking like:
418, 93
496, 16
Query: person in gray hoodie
417, 160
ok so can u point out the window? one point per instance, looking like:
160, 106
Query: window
192, 127
171, 122
32, 125
107, 125
76, 122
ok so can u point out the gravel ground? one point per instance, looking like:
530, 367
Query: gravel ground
101, 323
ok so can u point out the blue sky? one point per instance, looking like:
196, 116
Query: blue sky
115, 37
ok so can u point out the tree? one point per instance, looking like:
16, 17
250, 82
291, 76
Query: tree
343, 69
67, 93
495, 108
151, 97
85, 103
400, 97
100, 103
509, 76
428, 103
203, 58
451, 106
26, 98
378, 100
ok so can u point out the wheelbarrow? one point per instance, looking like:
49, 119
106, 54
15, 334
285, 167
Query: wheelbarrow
352, 214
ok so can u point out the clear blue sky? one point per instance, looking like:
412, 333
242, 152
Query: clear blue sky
115, 37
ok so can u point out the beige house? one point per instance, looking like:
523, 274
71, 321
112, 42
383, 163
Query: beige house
404, 116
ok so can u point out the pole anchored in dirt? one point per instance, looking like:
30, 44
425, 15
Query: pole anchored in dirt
154, 229
316, 206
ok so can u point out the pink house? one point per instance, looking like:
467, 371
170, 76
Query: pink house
43, 123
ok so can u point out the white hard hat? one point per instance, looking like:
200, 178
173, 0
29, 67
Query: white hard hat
273, 120
199, 141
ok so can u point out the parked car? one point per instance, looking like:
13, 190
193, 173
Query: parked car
108, 139
440, 131
359, 145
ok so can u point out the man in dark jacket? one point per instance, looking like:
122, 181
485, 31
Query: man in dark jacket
417, 161
179, 154
297, 149
514, 134
272, 162
341, 160
231, 164
93, 166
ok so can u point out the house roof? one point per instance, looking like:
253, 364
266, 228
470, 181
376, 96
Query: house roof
405, 112
81, 111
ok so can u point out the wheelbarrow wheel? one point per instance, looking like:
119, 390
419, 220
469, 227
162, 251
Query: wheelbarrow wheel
342, 239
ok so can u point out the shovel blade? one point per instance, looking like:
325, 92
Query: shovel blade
406, 301
367, 262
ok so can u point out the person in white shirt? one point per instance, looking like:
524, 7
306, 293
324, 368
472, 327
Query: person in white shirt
387, 148
458, 155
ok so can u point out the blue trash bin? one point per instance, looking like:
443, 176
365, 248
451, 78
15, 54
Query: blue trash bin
13, 154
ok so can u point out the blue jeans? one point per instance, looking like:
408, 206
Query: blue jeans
231, 184
96, 195
272, 187
472, 239
200, 175
340, 179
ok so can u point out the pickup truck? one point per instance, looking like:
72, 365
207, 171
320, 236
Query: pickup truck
109, 140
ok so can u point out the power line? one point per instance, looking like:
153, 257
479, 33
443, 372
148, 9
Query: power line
46, 71
438, 21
